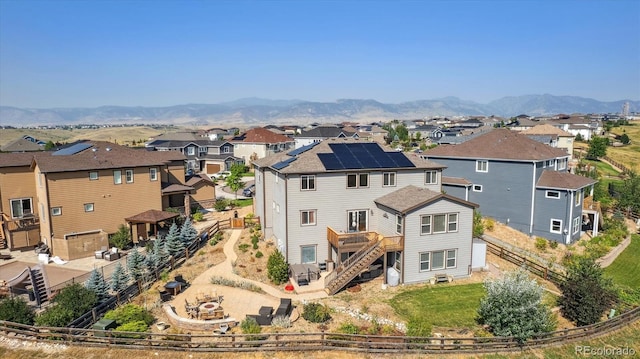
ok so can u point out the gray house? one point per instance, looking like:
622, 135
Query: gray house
348, 205
518, 181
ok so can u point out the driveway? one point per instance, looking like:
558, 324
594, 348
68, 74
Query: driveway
225, 192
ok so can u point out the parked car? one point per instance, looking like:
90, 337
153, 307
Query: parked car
221, 175
249, 191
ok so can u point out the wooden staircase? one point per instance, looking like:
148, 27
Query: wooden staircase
40, 285
353, 266
3, 238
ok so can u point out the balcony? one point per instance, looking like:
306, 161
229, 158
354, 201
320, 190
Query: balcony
351, 242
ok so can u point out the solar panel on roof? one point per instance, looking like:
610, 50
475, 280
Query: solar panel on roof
73, 149
330, 162
400, 159
362, 156
302, 149
282, 164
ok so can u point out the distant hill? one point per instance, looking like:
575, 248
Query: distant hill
250, 111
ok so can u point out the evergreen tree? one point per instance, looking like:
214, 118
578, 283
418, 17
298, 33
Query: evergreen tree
136, 264
119, 279
188, 232
151, 262
513, 307
160, 250
97, 284
586, 293
277, 268
174, 244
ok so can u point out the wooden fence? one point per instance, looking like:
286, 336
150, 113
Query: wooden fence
309, 341
522, 261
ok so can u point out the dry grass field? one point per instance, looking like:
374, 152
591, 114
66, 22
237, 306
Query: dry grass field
629, 155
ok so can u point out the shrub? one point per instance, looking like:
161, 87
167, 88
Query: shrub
236, 284
418, 328
489, 224
55, 316
250, 326
198, 216
244, 247
122, 238
553, 244
277, 268
137, 326
348, 328
16, 310
316, 313
76, 298
478, 225
259, 254
541, 244
130, 313
221, 204
281, 321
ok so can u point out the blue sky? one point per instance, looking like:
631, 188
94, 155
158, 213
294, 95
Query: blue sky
161, 53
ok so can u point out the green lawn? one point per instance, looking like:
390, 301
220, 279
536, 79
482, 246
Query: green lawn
442, 305
604, 169
625, 270
243, 202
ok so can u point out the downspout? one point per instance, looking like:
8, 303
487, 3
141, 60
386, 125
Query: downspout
533, 198
570, 224
404, 231
50, 221
285, 179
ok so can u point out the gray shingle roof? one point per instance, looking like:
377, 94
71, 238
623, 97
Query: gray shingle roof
326, 132
563, 180
498, 144
456, 181
411, 197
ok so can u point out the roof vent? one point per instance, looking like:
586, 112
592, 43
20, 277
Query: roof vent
94, 149
108, 148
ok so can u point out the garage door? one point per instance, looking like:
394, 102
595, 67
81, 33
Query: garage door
212, 168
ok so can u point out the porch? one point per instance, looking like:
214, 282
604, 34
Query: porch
19, 233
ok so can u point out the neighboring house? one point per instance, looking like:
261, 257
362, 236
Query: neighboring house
23, 144
259, 143
74, 198
351, 203
203, 155
431, 132
321, 133
518, 181
374, 133
575, 125
559, 138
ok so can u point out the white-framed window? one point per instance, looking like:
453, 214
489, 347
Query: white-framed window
576, 225
153, 174
56, 211
355, 180
549, 163
307, 182
117, 177
477, 188
93, 175
357, 220
439, 223
21, 207
482, 166
191, 151
308, 254
388, 179
562, 163
552, 194
578, 197
556, 226
425, 261
398, 224
308, 218
88, 207
202, 150
128, 176
431, 177
226, 149
397, 262
437, 260
451, 258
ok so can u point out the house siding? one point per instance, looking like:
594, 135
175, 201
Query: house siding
415, 243
17, 182
279, 213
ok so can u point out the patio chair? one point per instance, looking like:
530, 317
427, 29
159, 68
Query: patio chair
224, 327
180, 279
165, 296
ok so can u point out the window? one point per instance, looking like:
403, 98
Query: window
88, 207
452, 222
425, 260
357, 220
482, 166
191, 151
397, 261
556, 226
308, 254
129, 175
388, 179
578, 198
308, 218
93, 175
477, 188
355, 180
552, 194
20, 207
550, 163
153, 174
451, 258
56, 211
425, 227
562, 163
437, 260
117, 177
202, 150
225, 149
439, 223
308, 183
576, 225
398, 224
431, 177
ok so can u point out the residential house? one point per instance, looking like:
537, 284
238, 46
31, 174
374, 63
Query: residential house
23, 144
321, 133
203, 155
75, 198
350, 203
259, 143
431, 132
518, 181
373, 132
579, 125
559, 138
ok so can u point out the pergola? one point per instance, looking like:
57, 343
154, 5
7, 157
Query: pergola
153, 217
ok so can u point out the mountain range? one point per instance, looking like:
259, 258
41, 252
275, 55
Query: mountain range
255, 111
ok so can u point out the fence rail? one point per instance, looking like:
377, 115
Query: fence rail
309, 341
